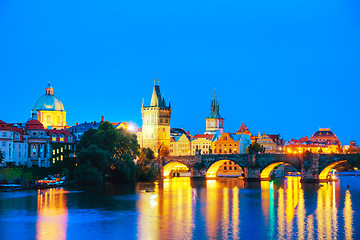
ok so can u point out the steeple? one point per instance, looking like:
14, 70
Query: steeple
49, 90
156, 99
215, 107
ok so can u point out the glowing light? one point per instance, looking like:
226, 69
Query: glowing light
213, 169
174, 165
265, 174
323, 176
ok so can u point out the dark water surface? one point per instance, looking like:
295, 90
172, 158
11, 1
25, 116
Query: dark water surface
184, 209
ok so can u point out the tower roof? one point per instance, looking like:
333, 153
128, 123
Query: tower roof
156, 99
215, 108
243, 129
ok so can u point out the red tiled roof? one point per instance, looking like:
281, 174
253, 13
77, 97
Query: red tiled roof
34, 124
58, 131
208, 136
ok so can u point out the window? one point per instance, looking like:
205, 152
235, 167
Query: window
57, 150
53, 160
235, 168
53, 138
48, 118
3, 144
61, 137
225, 168
4, 134
61, 157
230, 168
219, 150
62, 149
229, 150
53, 152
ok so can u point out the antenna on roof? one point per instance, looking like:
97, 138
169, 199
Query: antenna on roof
158, 81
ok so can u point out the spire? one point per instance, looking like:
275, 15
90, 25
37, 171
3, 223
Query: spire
215, 107
156, 97
169, 103
142, 103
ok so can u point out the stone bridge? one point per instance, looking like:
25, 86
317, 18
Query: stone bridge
312, 167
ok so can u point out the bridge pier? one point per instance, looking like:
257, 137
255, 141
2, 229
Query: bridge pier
310, 168
252, 174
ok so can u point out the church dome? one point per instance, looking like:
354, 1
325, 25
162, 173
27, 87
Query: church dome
324, 133
49, 102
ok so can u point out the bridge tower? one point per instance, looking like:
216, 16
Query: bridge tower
214, 122
156, 123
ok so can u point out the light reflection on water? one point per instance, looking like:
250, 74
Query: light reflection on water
181, 208
52, 215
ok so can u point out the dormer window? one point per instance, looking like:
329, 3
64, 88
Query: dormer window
53, 138
61, 137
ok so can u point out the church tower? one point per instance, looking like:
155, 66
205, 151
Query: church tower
214, 123
156, 124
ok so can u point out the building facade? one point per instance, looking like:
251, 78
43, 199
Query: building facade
272, 143
202, 142
322, 141
225, 144
180, 145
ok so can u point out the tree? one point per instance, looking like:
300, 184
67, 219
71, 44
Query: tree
254, 148
146, 171
107, 153
127, 144
146, 157
2, 157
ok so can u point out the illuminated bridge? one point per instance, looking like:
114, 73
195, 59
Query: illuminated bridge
312, 167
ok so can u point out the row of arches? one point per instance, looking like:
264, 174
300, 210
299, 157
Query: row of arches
174, 169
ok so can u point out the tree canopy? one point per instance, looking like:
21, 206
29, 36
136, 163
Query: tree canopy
107, 153
255, 147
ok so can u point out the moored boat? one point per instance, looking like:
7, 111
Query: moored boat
49, 182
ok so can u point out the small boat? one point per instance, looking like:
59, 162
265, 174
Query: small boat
149, 190
49, 182
10, 187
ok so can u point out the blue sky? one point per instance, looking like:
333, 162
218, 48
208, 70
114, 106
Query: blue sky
284, 67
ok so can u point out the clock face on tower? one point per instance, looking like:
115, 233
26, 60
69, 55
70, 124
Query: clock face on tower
212, 124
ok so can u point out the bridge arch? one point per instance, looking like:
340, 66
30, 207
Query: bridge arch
323, 176
266, 172
171, 166
215, 166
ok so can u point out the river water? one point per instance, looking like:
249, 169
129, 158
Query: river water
181, 208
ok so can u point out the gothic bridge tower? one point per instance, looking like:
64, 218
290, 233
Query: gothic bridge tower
156, 124
214, 122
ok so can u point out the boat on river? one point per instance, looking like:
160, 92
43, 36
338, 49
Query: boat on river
49, 182
9, 187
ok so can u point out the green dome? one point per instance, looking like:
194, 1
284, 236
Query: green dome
49, 103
